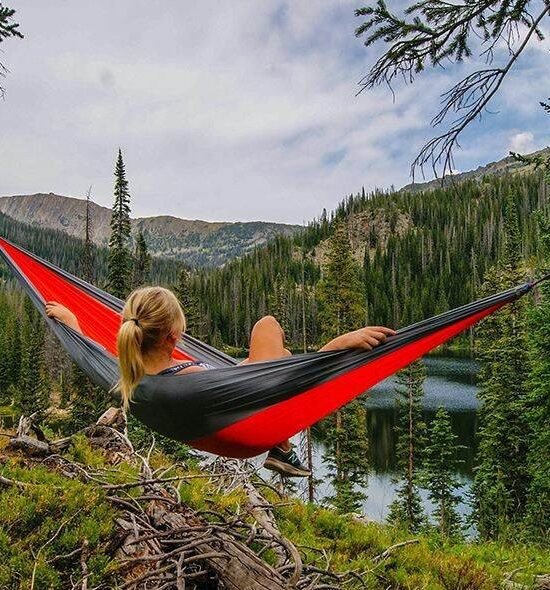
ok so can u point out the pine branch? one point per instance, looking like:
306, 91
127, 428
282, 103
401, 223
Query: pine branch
7, 29
439, 32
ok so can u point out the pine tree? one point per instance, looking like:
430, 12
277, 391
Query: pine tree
340, 292
439, 473
32, 387
8, 29
501, 477
538, 401
432, 33
346, 456
142, 262
189, 302
406, 510
279, 302
88, 256
88, 401
120, 256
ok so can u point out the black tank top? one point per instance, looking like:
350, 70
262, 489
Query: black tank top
177, 368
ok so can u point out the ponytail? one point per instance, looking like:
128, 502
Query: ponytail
150, 314
130, 338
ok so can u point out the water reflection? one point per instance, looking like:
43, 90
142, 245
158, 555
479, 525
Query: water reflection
380, 425
450, 383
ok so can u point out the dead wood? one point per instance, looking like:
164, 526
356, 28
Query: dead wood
162, 543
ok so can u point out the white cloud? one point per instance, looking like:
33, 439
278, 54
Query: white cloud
523, 142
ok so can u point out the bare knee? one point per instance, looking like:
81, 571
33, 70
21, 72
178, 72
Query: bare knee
267, 327
267, 321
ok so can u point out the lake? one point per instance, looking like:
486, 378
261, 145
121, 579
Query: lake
450, 383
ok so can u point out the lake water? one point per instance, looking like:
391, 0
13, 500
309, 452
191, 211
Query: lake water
450, 383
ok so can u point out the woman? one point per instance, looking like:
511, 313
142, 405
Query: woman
152, 324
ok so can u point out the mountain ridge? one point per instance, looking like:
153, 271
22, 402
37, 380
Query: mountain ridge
197, 242
505, 165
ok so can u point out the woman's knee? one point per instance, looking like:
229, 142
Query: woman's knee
267, 322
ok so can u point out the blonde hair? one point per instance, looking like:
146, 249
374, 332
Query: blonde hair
149, 315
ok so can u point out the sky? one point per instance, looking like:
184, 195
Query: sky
228, 110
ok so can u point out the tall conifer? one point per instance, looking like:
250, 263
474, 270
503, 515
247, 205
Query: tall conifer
501, 476
142, 262
538, 401
439, 473
406, 510
120, 256
341, 304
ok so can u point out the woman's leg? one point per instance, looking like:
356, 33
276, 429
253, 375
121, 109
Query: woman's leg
267, 343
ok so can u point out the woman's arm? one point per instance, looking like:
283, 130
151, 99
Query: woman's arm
61, 313
365, 338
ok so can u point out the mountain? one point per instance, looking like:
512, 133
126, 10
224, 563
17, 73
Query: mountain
506, 165
199, 243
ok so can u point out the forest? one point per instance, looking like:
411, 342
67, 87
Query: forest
385, 258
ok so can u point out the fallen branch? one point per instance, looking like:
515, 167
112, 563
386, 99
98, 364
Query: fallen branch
385, 554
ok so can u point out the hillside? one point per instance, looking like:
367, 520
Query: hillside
199, 243
108, 517
506, 165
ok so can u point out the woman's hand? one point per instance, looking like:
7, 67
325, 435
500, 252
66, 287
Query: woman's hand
365, 338
61, 313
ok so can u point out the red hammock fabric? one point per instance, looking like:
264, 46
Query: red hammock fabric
99, 322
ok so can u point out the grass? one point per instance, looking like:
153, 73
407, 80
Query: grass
51, 517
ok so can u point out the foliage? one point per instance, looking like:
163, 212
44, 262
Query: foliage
87, 401
538, 403
406, 510
142, 262
52, 517
346, 456
120, 257
194, 321
439, 473
8, 29
341, 306
340, 293
501, 477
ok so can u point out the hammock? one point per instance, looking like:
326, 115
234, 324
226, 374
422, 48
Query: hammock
237, 411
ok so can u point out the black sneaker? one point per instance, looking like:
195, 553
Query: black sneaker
286, 463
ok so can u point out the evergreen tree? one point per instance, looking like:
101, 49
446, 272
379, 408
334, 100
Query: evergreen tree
8, 29
120, 256
432, 33
340, 295
279, 302
340, 292
32, 387
185, 294
538, 402
88, 401
88, 255
439, 473
406, 510
142, 262
346, 456
501, 476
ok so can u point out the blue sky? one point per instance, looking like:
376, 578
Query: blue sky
227, 110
